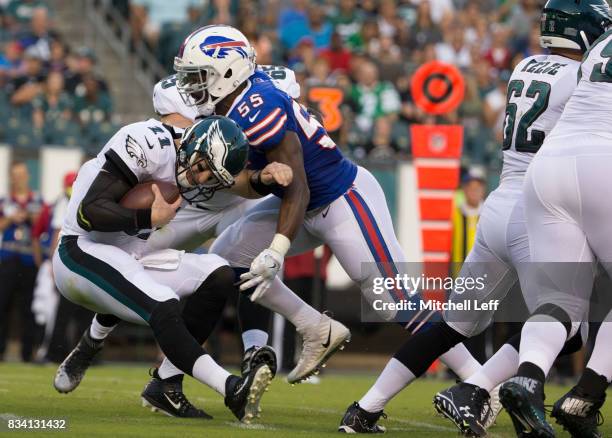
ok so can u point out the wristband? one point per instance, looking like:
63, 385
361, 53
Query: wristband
280, 244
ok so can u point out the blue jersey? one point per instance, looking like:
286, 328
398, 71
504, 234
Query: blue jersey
266, 113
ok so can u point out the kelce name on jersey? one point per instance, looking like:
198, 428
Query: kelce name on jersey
551, 68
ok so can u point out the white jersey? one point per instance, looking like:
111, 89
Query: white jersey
167, 100
589, 110
144, 151
538, 91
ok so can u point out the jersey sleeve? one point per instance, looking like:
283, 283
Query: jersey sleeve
167, 100
283, 79
268, 129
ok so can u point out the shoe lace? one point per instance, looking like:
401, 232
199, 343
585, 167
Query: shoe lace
179, 397
482, 401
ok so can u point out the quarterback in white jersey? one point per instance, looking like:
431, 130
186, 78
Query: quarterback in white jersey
568, 222
100, 264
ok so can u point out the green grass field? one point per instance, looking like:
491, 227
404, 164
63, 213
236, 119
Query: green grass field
108, 404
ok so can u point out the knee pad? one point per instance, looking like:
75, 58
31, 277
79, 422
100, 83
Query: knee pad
560, 315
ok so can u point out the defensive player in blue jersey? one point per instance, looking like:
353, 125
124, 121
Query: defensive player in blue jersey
331, 200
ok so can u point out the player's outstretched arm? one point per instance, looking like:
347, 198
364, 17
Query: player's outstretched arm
295, 200
254, 184
297, 194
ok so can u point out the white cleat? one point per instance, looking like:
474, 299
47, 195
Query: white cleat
496, 407
319, 344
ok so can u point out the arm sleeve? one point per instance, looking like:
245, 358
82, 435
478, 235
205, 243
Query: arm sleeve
100, 209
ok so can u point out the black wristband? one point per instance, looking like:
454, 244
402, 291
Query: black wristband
143, 219
258, 186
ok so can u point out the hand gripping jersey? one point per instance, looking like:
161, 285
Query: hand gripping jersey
266, 113
589, 110
144, 151
538, 91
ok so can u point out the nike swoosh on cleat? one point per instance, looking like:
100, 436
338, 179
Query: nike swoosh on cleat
326, 344
176, 406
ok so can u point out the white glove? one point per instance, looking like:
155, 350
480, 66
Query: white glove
263, 270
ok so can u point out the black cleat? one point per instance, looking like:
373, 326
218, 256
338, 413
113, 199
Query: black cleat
358, 420
256, 355
243, 394
523, 399
166, 395
467, 406
579, 414
72, 370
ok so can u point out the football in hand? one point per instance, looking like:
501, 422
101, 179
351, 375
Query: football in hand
141, 195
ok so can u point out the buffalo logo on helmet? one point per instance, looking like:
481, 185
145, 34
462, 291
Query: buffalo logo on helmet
219, 47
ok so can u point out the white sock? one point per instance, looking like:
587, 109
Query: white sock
207, 371
392, 380
541, 341
99, 332
254, 338
167, 369
499, 368
601, 360
461, 361
280, 299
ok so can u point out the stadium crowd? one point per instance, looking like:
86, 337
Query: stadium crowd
369, 50
50, 92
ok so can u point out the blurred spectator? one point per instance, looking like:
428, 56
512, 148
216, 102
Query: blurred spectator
148, 16
20, 12
39, 35
85, 62
337, 56
347, 19
319, 28
453, 49
439, 10
372, 99
424, 30
10, 60
499, 55
53, 106
93, 105
293, 24
23, 216
25, 87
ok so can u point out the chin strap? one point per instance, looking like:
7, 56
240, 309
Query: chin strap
585, 40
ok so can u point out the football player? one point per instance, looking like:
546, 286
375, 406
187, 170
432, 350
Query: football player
568, 224
193, 224
330, 200
538, 91
95, 265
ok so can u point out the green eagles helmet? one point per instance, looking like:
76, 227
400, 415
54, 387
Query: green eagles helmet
217, 144
573, 24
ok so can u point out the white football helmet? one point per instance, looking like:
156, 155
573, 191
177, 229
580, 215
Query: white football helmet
212, 62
